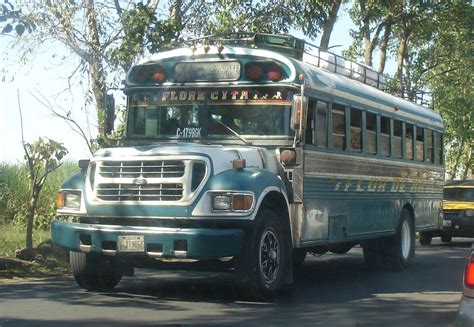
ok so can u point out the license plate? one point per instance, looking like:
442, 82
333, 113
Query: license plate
131, 244
447, 223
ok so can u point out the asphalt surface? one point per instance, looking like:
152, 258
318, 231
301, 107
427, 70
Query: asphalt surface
331, 290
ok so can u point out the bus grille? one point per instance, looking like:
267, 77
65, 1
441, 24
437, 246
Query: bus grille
451, 214
149, 192
142, 169
148, 180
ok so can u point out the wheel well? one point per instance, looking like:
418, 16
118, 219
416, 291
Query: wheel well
411, 211
277, 202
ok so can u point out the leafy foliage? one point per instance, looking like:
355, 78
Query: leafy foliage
42, 158
14, 20
15, 194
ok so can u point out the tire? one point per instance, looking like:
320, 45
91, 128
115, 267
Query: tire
425, 238
399, 250
341, 249
299, 255
373, 254
446, 239
269, 254
94, 272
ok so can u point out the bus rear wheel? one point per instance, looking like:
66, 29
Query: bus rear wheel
399, 249
94, 272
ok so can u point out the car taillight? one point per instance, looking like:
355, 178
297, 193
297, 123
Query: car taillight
469, 272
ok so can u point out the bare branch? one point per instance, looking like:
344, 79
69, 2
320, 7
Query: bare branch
78, 129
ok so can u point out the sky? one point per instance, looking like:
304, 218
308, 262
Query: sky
45, 76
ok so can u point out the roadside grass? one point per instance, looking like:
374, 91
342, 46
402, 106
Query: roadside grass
49, 259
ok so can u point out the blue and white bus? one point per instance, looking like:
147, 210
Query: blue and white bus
251, 150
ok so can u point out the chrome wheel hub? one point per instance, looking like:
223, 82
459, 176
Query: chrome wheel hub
269, 255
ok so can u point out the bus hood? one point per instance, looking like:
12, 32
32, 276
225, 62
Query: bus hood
220, 156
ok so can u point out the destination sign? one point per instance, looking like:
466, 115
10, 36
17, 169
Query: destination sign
231, 96
207, 71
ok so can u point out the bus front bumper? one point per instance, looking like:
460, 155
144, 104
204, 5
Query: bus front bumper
457, 223
190, 243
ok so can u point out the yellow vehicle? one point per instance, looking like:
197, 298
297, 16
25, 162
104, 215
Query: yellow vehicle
458, 210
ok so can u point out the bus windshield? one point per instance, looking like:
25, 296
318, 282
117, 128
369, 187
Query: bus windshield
208, 113
463, 194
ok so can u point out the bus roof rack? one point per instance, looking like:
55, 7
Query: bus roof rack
311, 54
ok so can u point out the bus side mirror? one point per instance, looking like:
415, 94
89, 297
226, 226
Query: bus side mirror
299, 113
109, 113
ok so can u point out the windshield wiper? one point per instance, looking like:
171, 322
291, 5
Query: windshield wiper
232, 131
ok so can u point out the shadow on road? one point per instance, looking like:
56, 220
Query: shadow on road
327, 289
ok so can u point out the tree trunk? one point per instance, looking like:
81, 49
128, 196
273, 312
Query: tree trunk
329, 25
96, 72
30, 218
454, 168
402, 50
366, 35
468, 165
384, 45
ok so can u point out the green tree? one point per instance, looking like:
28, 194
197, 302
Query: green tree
42, 158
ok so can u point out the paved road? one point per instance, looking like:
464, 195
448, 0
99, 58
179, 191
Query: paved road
332, 290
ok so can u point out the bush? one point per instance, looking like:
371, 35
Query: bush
15, 194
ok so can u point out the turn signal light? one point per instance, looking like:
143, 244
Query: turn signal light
469, 272
242, 201
59, 200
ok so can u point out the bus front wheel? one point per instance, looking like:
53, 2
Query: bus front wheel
269, 257
94, 272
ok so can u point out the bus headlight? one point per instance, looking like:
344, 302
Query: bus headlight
69, 200
469, 213
232, 202
221, 202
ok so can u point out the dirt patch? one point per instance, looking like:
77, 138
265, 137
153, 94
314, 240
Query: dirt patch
46, 260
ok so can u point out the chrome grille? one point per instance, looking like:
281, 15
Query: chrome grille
451, 214
142, 169
132, 192
152, 180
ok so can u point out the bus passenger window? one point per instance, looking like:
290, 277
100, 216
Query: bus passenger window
338, 127
420, 156
409, 141
371, 132
397, 138
385, 136
309, 132
429, 145
322, 124
439, 148
356, 129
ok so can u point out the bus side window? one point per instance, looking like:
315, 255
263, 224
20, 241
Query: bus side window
429, 145
309, 132
420, 156
338, 127
385, 135
356, 130
409, 141
321, 124
438, 148
371, 132
397, 138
